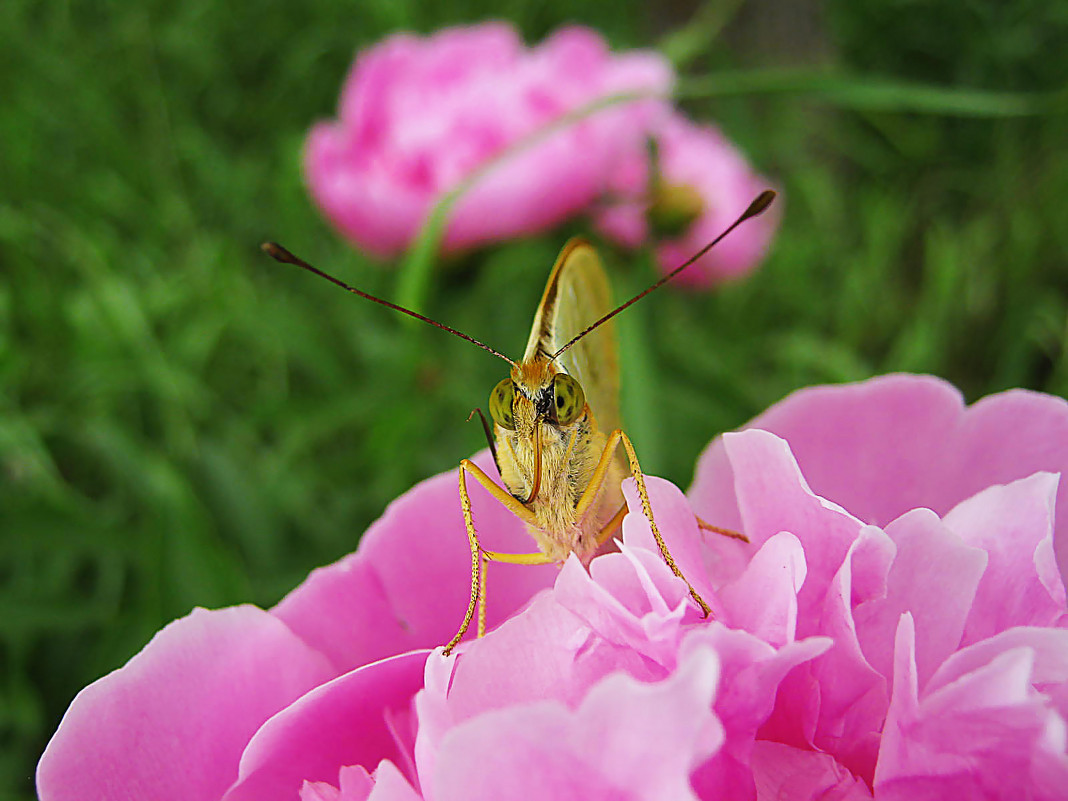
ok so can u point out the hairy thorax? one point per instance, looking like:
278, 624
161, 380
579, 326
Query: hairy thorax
569, 457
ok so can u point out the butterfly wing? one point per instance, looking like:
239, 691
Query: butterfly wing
576, 295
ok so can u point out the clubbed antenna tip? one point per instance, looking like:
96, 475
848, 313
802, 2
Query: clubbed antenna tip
279, 253
760, 205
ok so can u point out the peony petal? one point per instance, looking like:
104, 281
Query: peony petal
904, 699
852, 694
545, 652
627, 739
348, 721
988, 734
752, 673
320, 791
355, 785
390, 785
773, 496
701, 157
515, 753
763, 600
635, 580
677, 525
632, 600
784, 773
186, 705
560, 657
1048, 646
934, 576
868, 446
890, 444
1010, 523
1005, 437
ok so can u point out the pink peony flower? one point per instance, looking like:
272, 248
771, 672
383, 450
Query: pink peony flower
703, 184
240, 702
928, 533
418, 114
895, 629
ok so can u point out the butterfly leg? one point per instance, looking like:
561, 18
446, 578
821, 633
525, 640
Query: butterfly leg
481, 630
612, 526
478, 556
592, 489
726, 532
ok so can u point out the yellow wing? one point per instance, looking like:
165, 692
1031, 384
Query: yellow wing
576, 295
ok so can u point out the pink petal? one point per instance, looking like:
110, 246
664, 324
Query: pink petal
172, 723
636, 581
1010, 523
677, 525
390, 785
1008, 436
348, 721
320, 791
631, 600
934, 576
702, 157
626, 740
516, 753
866, 446
988, 734
894, 443
561, 659
356, 785
752, 673
904, 698
1049, 647
408, 583
784, 773
369, 209
775, 576
852, 695
773, 496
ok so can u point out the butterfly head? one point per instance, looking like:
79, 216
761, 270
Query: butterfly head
536, 391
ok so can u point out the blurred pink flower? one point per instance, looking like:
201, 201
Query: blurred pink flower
703, 184
895, 628
419, 114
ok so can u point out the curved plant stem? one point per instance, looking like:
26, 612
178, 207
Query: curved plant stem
867, 93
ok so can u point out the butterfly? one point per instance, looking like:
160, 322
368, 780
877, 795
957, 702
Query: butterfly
556, 437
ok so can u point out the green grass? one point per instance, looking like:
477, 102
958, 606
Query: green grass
184, 422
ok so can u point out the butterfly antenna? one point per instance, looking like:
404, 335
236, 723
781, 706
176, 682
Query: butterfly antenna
757, 207
279, 253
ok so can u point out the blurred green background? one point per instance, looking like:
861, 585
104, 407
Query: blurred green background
184, 422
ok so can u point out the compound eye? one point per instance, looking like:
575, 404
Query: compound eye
568, 399
500, 404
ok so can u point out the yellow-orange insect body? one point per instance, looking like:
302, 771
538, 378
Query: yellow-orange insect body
548, 458
556, 433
